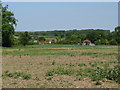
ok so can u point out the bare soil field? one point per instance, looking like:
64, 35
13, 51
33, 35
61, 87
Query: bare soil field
59, 67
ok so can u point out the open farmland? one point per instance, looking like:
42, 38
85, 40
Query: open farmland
60, 66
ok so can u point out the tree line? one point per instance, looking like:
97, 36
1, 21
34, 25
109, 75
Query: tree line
96, 36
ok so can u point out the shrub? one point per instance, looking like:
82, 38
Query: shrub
49, 73
26, 76
7, 74
82, 64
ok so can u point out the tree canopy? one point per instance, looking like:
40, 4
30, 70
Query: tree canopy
24, 38
8, 27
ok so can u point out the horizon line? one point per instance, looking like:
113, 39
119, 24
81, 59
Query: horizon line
57, 30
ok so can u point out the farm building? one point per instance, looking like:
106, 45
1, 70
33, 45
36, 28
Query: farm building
88, 42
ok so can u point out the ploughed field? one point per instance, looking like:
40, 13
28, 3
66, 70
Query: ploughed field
60, 66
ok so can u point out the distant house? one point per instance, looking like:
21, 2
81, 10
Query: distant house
50, 42
35, 41
90, 43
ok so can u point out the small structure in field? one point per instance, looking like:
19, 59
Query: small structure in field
88, 42
92, 44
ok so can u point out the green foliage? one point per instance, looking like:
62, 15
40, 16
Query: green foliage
60, 71
8, 24
93, 36
26, 76
108, 73
82, 64
49, 73
24, 38
49, 50
117, 33
88, 53
84, 72
97, 36
49, 78
114, 74
96, 74
17, 75
104, 41
41, 39
58, 39
113, 42
93, 65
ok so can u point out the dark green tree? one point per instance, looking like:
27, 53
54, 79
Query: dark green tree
24, 38
93, 36
8, 27
117, 31
41, 39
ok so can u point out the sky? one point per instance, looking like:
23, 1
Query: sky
44, 16
60, 0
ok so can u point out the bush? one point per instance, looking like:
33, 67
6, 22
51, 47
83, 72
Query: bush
49, 73
26, 76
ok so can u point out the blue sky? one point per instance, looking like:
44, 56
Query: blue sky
40, 16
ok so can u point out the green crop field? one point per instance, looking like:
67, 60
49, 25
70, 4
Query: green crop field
60, 66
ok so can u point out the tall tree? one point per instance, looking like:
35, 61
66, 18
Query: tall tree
24, 38
8, 27
117, 31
